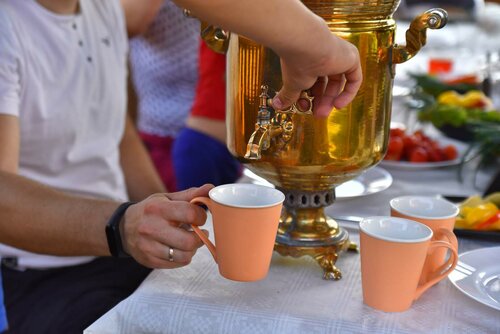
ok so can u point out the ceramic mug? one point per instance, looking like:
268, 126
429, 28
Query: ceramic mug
437, 213
393, 253
245, 219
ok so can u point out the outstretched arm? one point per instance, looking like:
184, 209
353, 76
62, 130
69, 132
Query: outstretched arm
139, 14
310, 53
40, 219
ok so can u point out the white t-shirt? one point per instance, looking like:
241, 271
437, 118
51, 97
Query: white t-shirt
64, 76
164, 63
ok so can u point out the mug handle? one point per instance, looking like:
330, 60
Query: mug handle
450, 264
450, 236
211, 247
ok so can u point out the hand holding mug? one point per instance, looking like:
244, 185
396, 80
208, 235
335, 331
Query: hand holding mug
153, 230
245, 219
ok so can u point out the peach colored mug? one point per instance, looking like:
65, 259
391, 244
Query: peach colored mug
437, 213
393, 253
245, 219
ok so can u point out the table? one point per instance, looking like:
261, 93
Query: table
294, 298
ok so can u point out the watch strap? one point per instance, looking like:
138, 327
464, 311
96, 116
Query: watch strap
113, 234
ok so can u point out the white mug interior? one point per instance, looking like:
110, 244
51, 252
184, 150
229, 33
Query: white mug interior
395, 229
246, 195
425, 207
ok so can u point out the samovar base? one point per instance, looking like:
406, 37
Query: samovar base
325, 255
305, 230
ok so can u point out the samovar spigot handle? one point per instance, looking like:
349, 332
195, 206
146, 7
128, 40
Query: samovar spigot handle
295, 107
416, 35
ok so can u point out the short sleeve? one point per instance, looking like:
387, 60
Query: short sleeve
10, 85
116, 19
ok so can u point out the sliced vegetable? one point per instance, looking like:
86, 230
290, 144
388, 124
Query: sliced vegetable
490, 221
479, 214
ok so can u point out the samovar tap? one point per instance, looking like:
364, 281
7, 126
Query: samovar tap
272, 123
264, 128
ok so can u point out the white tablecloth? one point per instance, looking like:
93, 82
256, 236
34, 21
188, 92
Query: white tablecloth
294, 298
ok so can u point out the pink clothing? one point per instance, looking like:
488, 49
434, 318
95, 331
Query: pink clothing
160, 150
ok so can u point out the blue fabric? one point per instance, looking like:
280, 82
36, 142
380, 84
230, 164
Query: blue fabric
3, 316
200, 159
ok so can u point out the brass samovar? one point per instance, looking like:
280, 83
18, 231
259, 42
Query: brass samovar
304, 156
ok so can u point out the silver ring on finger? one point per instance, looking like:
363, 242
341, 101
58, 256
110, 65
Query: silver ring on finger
170, 254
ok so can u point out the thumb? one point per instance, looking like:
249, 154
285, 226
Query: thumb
289, 92
285, 97
188, 194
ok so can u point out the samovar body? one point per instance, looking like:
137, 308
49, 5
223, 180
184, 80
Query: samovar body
306, 156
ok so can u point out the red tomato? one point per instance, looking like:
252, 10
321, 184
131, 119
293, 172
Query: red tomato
435, 155
395, 149
419, 134
418, 154
434, 144
409, 143
450, 152
397, 132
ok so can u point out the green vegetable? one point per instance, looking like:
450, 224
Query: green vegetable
483, 126
433, 86
441, 114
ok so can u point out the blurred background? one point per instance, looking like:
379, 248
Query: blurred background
454, 81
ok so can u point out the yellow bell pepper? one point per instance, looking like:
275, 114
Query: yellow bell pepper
480, 213
450, 97
475, 99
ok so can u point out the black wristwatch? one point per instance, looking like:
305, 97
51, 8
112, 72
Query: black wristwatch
113, 231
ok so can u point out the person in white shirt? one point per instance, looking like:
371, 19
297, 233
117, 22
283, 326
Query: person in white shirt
63, 124
63, 131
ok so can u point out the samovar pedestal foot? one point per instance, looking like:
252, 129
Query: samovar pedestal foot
327, 262
305, 230
353, 247
325, 255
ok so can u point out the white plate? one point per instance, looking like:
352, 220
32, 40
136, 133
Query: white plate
477, 275
443, 141
372, 181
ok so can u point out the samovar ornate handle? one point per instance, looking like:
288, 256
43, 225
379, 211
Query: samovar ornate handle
416, 35
216, 38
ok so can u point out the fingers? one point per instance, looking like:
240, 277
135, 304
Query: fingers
339, 91
153, 248
333, 73
162, 221
176, 211
353, 80
191, 193
172, 254
165, 257
290, 92
285, 98
179, 238
325, 100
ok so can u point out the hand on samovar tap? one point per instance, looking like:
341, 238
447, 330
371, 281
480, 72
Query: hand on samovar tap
311, 56
332, 72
